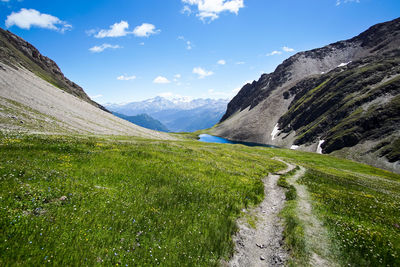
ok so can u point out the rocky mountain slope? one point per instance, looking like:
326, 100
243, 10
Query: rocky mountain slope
342, 99
16, 52
36, 97
179, 114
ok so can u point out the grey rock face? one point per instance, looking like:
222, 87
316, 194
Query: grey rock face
16, 52
274, 109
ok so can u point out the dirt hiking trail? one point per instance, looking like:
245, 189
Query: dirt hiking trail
264, 245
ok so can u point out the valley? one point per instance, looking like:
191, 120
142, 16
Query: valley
298, 168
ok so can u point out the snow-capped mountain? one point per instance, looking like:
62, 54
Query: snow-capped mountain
178, 114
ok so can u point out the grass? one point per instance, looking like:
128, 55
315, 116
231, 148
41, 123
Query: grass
294, 232
282, 182
84, 201
131, 201
251, 219
294, 235
362, 213
359, 206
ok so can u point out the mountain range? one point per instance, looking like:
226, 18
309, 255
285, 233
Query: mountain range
178, 114
145, 121
341, 99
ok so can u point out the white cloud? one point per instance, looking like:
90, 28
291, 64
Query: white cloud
142, 43
145, 30
202, 73
101, 48
116, 30
121, 29
126, 78
339, 2
161, 80
210, 9
27, 18
273, 53
189, 44
240, 63
221, 62
90, 32
186, 10
287, 49
176, 78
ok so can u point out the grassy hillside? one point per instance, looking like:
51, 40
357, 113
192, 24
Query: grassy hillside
86, 200
358, 204
128, 201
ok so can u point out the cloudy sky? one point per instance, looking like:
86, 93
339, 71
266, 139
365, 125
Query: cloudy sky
130, 50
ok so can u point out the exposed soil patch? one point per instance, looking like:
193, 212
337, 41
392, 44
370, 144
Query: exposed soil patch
264, 245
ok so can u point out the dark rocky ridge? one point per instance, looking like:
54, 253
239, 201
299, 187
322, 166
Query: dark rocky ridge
349, 105
16, 52
345, 95
377, 39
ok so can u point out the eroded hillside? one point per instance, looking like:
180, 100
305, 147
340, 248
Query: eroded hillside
36, 97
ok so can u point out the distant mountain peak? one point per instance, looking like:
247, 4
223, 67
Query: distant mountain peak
177, 114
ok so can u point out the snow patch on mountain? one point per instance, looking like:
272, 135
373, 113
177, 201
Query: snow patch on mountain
344, 64
319, 148
275, 132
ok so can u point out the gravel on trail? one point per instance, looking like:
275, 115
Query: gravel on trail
264, 245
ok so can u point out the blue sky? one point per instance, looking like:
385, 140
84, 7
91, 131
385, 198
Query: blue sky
130, 50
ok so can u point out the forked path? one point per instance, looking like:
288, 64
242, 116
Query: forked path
264, 245
316, 235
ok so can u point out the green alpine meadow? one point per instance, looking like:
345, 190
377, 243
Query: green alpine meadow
80, 200
224, 133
